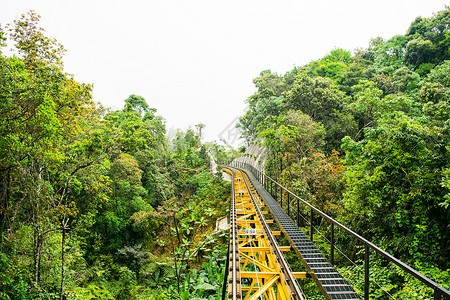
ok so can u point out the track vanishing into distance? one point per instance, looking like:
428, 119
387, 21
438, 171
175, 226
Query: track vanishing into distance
257, 268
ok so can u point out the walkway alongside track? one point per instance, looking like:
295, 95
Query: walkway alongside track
332, 284
257, 267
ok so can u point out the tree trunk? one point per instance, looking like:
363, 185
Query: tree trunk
63, 260
177, 273
37, 256
4, 201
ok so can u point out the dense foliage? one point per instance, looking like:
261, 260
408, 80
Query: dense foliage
98, 204
365, 136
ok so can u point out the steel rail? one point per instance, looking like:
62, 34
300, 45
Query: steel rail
234, 292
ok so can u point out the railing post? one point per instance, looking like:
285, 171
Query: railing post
276, 169
289, 206
281, 194
276, 192
281, 202
298, 213
270, 187
311, 230
332, 245
366, 272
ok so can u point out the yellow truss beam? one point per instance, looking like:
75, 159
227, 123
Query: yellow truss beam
259, 271
256, 249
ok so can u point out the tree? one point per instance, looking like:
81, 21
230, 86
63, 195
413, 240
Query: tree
316, 97
270, 82
390, 54
33, 46
323, 101
291, 139
428, 41
50, 131
338, 55
435, 94
420, 51
405, 80
134, 257
127, 187
200, 127
368, 98
137, 103
2, 39
393, 180
331, 65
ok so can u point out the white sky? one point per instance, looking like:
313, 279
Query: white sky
194, 61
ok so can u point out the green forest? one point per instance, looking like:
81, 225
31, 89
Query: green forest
364, 136
100, 204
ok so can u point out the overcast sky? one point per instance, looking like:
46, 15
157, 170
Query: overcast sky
194, 61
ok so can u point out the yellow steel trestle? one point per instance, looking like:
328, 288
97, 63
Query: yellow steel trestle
257, 268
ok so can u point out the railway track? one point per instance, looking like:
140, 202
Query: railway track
257, 268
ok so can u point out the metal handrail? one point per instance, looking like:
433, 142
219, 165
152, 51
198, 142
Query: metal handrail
438, 289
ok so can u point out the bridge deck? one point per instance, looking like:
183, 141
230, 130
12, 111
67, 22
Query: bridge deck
256, 265
329, 280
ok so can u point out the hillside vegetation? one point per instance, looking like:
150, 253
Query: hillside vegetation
100, 204
94, 203
365, 137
